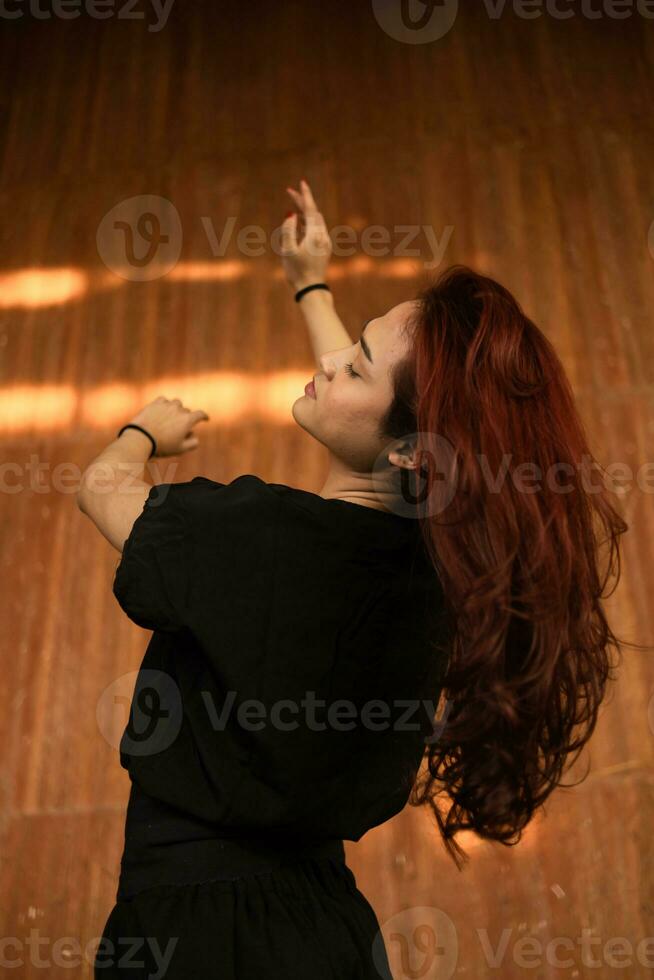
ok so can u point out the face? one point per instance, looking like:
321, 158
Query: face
347, 408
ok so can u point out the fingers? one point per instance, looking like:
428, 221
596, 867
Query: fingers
297, 198
305, 201
289, 235
309, 203
197, 416
312, 216
303, 198
169, 401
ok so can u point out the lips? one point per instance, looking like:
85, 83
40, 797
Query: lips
310, 389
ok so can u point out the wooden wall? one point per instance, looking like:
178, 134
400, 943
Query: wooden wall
524, 145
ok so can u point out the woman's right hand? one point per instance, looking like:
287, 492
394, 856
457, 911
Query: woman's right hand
305, 262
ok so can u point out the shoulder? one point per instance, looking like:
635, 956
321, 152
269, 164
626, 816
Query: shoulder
206, 508
200, 530
201, 492
195, 507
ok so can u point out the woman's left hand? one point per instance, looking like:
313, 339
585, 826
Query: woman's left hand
170, 424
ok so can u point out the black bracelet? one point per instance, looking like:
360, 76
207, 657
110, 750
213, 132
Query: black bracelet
317, 285
133, 425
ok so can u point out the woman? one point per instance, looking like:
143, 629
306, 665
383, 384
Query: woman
439, 599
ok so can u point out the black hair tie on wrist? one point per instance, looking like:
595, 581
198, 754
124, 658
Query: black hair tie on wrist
133, 425
316, 285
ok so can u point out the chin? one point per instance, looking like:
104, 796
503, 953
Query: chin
301, 417
297, 411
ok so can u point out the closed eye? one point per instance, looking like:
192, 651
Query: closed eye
353, 374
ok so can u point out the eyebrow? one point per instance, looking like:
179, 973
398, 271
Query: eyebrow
364, 346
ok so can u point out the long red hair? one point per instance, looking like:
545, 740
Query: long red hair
528, 642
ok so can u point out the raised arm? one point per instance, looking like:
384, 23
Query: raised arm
112, 490
305, 262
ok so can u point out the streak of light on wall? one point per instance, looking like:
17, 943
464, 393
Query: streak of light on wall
36, 288
228, 397
37, 407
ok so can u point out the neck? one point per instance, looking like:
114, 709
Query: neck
347, 484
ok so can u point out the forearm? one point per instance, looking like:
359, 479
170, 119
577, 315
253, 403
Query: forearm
123, 458
112, 489
326, 329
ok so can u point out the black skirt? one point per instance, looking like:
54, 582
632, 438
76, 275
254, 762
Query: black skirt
192, 906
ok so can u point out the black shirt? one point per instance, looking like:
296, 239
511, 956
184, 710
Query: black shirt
268, 605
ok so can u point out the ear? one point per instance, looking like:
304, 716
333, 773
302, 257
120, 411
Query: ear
404, 455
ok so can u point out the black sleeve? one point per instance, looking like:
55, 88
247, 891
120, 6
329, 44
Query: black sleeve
152, 578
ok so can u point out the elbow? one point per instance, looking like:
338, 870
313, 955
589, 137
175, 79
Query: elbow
89, 488
83, 495
80, 498
96, 494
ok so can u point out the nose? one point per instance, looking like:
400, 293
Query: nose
327, 366
332, 360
